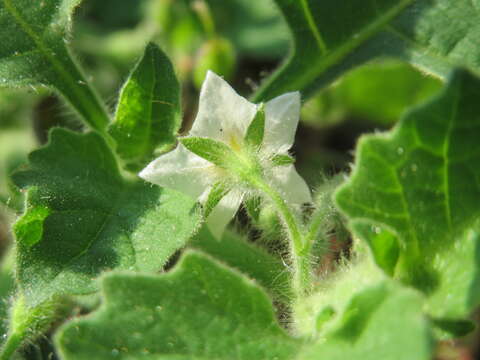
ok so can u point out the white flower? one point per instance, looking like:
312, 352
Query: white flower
225, 116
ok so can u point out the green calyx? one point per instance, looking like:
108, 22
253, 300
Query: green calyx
256, 130
240, 162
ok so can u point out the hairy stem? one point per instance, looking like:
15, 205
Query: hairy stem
299, 251
13, 343
26, 323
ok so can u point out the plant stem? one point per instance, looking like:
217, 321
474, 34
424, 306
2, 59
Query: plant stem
26, 323
300, 251
11, 345
317, 223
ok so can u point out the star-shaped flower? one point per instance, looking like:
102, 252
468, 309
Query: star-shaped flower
225, 116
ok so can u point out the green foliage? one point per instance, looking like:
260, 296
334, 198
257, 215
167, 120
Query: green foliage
331, 37
135, 304
218, 191
96, 221
216, 152
256, 129
250, 259
193, 322
106, 266
33, 52
148, 112
282, 160
418, 185
29, 228
372, 327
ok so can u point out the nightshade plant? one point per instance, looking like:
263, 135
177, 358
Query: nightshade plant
110, 266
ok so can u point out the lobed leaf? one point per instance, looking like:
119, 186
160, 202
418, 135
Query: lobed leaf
330, 37
33, 51
201, 310
372, 327
248, 258
84, 218
413, 197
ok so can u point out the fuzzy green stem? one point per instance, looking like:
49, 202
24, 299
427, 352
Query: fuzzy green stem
300, 253
26, 323
13, 343
317, 223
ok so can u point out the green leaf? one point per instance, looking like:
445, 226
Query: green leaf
282, 160
34, 52
256, 129
331, 37
357, 312
29, 228
335, 292
211, 150
383, 242
97, 220
457, 328
151, 316
216, 194
201, 310
381, 322
148, 113
253, 207
235, 251
419, 184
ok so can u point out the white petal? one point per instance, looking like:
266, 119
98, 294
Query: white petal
180, 170
222, 113
291, 185
281, 120
224, 212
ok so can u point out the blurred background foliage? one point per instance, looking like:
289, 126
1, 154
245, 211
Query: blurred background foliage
242, 40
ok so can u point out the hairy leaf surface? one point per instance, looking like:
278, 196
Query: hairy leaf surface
331, 37
372, 327
201, 310
92, 219
148, 113
250, 259
33, 51
413, 196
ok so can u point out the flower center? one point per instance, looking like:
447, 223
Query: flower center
234, 143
